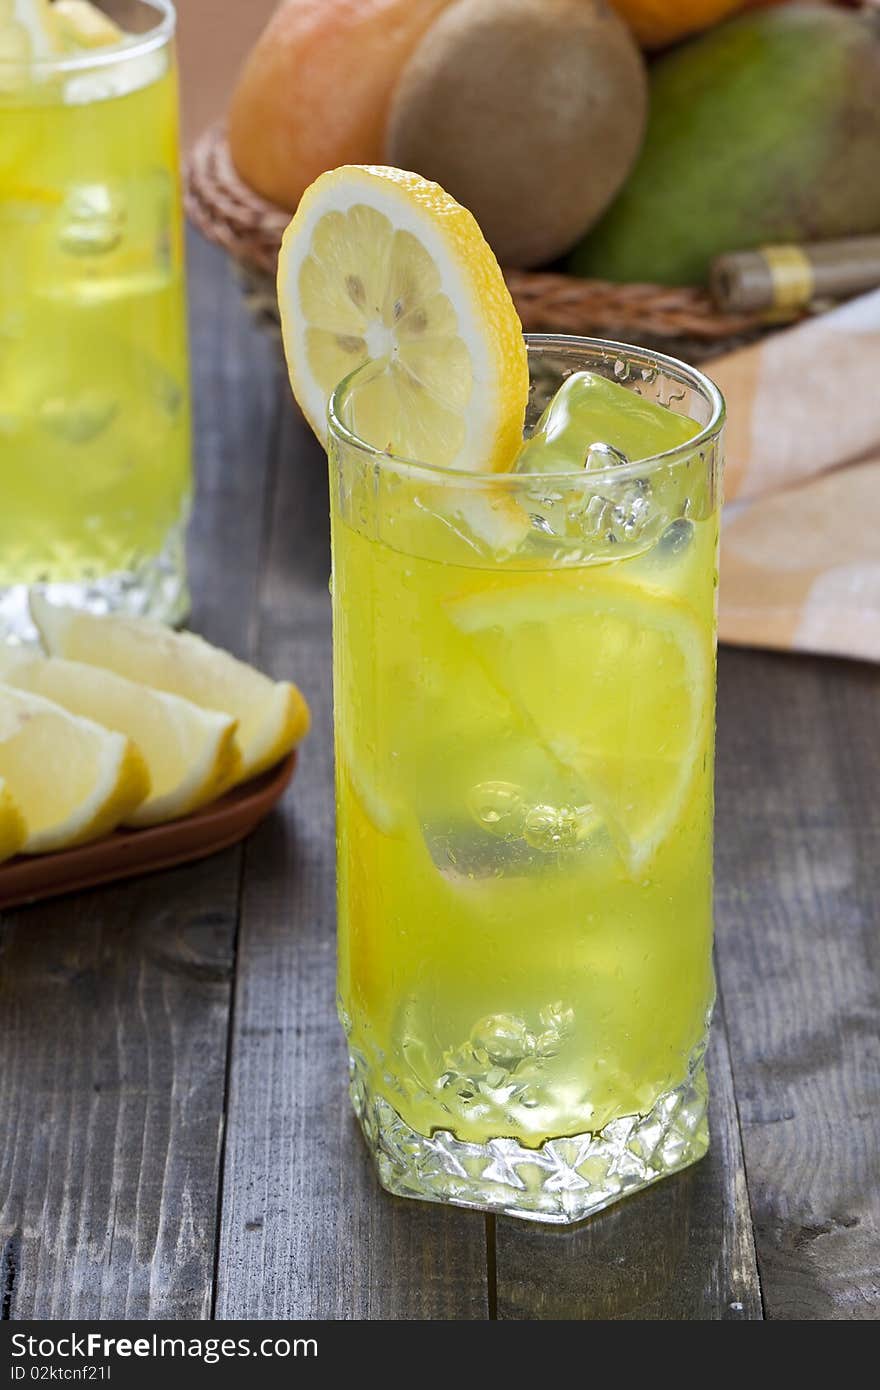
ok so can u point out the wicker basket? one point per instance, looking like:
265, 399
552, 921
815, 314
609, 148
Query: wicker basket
683, 321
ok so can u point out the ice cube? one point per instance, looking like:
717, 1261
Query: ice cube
625, 511
92, 220
555, 828
593, 423
502, 1040
633, 510
509, 837
601, 455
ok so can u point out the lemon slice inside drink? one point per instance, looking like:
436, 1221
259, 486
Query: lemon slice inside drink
630, 719
379, 265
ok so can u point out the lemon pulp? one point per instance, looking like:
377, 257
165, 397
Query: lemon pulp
381, 266
72, 780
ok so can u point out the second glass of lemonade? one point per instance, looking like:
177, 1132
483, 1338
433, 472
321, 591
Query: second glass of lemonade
94, 393
524, 705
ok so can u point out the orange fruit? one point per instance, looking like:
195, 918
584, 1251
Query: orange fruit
315, 90
656, 23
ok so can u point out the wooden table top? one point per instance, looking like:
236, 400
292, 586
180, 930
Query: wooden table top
175, 1138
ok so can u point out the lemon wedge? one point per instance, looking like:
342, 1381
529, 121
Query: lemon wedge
72, 780
272, 715
191, 753
13, 831
614, 680
379, 265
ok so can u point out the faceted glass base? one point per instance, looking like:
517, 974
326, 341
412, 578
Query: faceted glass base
563, 1181
155, 588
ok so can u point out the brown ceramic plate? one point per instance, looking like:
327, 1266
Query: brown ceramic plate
128, 852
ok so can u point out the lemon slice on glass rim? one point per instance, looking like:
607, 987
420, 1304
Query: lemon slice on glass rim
379, 265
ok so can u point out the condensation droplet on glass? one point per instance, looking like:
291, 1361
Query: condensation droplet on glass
602, 455
677, 537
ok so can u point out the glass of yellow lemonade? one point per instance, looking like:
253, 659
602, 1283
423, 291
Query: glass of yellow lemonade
94, 395
524, 704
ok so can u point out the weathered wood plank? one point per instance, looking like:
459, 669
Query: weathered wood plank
305, 1231
114, 1004
679, 1250
235, 428
114, 1007
798, 936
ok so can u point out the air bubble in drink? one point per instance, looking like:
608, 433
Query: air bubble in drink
498, 808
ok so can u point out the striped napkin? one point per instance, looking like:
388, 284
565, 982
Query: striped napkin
800, 539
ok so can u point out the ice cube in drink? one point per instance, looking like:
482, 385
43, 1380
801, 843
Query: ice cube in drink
595, 423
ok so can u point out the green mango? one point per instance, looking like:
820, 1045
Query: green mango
766, 129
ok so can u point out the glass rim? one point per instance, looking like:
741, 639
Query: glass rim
133, 46
545, 342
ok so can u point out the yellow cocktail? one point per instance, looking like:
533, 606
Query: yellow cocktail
94, 409
524, 704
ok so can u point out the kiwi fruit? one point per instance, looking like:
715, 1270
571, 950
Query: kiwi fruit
529, 112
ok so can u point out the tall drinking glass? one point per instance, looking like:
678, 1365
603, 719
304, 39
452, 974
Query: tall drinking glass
94, 394
524, 703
